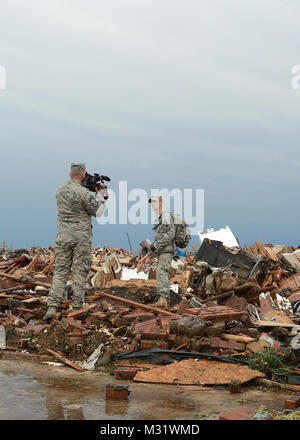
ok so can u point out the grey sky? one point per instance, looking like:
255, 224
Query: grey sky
168, 93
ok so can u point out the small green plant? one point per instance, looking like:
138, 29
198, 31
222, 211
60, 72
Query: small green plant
270, 362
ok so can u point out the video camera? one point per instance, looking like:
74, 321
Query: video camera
91, 183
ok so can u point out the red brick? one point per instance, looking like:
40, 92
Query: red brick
115, 392
292, 403
193, 311
126, 373
240, 413
149, 329
70, 325
80, 312
147, 344
221, 313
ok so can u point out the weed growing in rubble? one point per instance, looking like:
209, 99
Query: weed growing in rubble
270, 362
277, 415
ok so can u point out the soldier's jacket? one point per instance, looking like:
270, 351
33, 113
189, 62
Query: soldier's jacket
75, 206
164, 233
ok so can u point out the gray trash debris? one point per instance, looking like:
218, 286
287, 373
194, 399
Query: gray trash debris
2, 337
89, 364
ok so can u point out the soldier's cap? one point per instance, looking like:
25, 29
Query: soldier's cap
78, 166
155, 199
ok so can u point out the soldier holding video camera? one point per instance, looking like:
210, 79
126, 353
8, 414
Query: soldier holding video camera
75, 207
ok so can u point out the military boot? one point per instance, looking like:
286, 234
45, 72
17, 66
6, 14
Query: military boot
50, 313
73, 308
162, 302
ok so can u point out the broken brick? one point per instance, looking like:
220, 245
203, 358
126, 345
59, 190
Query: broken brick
221, 313
150, 329
150, 344
126, 373
292, 403
116, 392
70, 325
95, 317
81, 312
240, 413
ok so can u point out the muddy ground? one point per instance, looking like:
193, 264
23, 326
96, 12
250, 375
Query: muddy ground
33, 391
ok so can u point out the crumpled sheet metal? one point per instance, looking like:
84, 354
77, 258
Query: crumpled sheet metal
202, 372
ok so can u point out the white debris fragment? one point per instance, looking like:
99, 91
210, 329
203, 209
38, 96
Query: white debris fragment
175, 288
53, 364
224, 235
89, 364
129, 274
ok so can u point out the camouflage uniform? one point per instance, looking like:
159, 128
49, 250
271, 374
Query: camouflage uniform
164, 242
75, 206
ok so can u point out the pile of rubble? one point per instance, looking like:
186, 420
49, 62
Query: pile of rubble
226, 303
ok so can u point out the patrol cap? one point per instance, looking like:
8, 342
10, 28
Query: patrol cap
77, 166
155, 199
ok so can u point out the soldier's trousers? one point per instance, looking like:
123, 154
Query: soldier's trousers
163, 274
77, 255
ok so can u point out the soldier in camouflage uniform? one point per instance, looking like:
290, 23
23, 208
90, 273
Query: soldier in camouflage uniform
75, 206
163, 247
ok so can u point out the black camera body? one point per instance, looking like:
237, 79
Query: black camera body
95, 182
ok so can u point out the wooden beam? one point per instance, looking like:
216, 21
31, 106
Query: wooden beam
25, 282
65, 361
137, 304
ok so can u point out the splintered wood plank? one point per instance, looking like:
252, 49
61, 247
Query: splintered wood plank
274, 324
66, 361
136, 304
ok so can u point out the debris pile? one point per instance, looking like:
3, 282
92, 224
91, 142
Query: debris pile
226, 303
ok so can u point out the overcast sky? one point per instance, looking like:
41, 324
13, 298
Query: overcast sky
161, 93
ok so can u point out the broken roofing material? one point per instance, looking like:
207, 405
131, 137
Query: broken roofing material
215, 254
224, 235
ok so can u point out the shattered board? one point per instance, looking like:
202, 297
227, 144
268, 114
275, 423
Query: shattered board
202, 372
